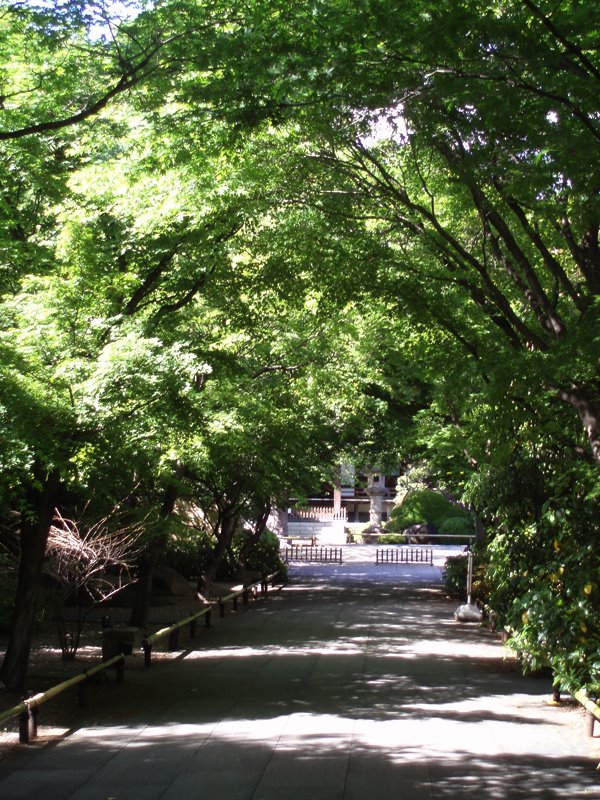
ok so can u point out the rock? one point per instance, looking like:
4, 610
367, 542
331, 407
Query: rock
468, 612
421, 533
173, 582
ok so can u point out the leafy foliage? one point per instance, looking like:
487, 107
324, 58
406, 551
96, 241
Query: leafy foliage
8, 584
188, 551
242, 243
544, 588
392, 538
264, 555
458, 526
427, 506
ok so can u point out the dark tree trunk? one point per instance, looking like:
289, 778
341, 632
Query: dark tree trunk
586, 401
251, 539
35, 528
226, 527
149, 559
143, 591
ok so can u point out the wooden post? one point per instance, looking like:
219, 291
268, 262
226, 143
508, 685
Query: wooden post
234, 602
193, 625
589, 723
147, 653
245, 597
28, 725
207, 618
221, 608
173, 639
121, 670
82, 691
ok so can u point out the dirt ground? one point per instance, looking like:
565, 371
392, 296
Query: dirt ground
47, 669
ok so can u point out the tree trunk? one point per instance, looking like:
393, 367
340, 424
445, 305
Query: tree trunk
35, 528
260, 526
149, 559
226, 528
143, 591
586, 401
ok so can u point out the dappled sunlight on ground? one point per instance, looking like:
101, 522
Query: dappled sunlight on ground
334, 690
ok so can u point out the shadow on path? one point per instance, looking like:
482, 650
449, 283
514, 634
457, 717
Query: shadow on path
345, 686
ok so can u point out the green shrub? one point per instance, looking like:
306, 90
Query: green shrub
189, 550
458, 526
545, 589
455, 576
426, 506
264, 555
392, 538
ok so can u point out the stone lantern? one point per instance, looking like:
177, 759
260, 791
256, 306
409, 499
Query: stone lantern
376, 491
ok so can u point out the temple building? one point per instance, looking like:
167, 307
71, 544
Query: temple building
353, 502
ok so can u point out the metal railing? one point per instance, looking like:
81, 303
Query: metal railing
404, 555
322, 555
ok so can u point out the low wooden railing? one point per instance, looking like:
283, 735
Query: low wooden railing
592, 711
27, 710
172, 631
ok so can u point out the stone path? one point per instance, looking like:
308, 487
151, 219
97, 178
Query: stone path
353, 683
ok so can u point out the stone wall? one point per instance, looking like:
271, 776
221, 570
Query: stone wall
332, 532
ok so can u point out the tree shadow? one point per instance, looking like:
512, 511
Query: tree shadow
327, 691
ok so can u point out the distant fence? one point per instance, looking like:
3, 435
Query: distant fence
317, 514
322, 555
404, 555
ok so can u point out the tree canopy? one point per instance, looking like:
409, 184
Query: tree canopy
241, 243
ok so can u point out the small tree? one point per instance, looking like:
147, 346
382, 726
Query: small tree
87, 565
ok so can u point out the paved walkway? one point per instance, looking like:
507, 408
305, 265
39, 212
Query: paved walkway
354, 683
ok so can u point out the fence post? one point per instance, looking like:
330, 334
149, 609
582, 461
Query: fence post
207, 618
28, 725
121, 670
589, 723
221, 608
173, 639
82, 692
193, 625
245, 597
147, 653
